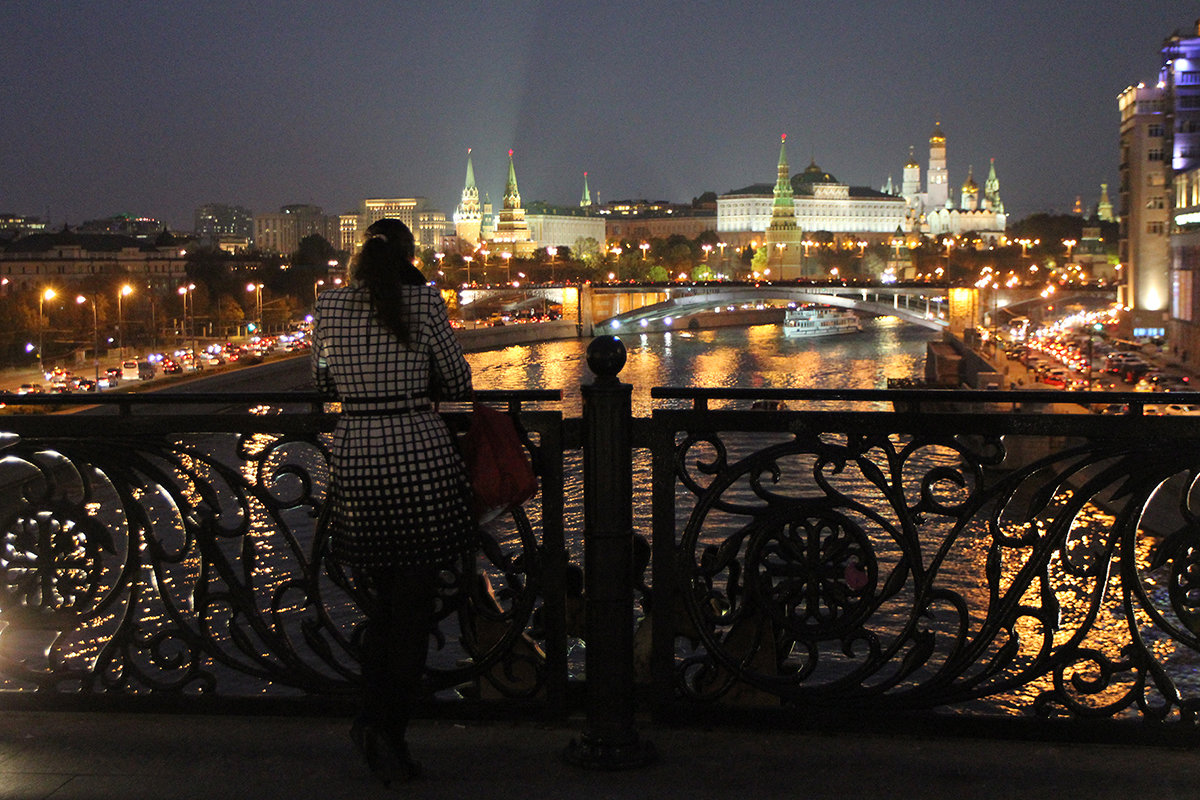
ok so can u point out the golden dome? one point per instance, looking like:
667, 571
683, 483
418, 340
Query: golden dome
937, 137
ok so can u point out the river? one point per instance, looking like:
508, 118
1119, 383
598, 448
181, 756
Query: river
755, 357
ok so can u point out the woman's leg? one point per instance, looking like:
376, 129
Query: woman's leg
413, 598
395, 646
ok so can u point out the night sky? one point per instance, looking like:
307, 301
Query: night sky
153, 108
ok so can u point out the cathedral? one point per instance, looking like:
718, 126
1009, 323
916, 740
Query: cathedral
932, 212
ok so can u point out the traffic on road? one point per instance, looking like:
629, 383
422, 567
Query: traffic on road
140, 369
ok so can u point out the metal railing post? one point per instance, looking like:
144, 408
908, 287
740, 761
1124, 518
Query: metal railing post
610, 740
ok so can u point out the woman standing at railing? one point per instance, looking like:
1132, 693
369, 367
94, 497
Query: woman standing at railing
399, 495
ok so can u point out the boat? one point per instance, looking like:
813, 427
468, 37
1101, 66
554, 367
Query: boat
809, 321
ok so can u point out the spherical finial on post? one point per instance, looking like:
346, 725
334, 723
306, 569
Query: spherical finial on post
606, 357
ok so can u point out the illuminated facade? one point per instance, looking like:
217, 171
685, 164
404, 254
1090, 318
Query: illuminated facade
1179, 83
428, 225
821, 203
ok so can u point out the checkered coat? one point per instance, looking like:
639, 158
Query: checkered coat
399, 493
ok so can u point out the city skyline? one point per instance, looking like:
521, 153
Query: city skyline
155, 109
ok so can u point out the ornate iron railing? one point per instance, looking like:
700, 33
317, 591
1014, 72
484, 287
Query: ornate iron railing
974, 552
181, 554
969, 553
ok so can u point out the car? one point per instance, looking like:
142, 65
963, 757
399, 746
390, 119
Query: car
1056, 377
87, 385
1174, 383
1179, 409
171, 367
29, 388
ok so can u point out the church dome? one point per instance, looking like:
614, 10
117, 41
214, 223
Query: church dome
970, 185
937, 137
812, 174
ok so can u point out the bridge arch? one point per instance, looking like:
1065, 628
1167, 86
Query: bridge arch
923, 306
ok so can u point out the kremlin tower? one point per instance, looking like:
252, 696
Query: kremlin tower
784, 236
467, 217
511, 233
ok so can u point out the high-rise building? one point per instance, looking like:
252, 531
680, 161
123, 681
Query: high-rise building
1179, 126
125, 225
220, 225
1145, 215
402, 208
282, 232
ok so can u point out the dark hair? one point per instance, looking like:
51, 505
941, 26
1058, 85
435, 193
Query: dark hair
384, 264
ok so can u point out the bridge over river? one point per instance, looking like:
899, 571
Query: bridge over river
937, 306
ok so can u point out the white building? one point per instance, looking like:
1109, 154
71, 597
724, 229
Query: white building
821, 203
932, 212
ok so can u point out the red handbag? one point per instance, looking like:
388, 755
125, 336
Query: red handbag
501, 476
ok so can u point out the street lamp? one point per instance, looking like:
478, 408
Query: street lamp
189, 323
122, 293
48, 294
80, 299
507, 256
257, 289
553, 253
316, 286
1070, 244
467, 260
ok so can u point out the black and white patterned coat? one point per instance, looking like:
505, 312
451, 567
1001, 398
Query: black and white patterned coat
399, 492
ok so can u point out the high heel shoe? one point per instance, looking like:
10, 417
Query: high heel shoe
387, 759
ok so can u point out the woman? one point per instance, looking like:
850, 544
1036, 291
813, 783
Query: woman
399, 495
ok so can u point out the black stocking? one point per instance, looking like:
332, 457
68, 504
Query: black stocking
396, 644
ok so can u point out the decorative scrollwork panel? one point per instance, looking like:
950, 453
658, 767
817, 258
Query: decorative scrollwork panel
190, 564
937, 569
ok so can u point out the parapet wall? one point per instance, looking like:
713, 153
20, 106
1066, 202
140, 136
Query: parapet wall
475, 339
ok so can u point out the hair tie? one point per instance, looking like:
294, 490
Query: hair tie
376, 235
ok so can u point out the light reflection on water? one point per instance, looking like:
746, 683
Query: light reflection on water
754, 357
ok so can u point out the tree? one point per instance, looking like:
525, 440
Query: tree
314, 252
657, 274
758, 262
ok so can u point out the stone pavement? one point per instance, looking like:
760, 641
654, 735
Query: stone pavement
101, 755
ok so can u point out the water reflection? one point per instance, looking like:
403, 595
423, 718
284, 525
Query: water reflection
754, 357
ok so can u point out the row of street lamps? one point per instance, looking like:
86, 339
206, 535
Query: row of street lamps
189, 314
49, 294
